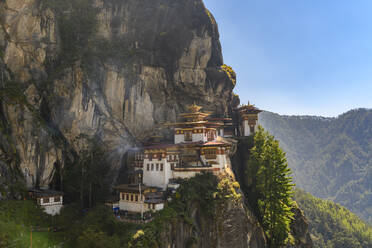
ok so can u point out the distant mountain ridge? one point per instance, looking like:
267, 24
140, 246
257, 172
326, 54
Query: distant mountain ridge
331, 225
330, 157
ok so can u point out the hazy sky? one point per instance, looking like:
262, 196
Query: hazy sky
299, 56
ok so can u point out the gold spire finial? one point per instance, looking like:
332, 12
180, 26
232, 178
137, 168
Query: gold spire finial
194, 108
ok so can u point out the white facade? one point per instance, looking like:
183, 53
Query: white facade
156, 173
179, 138
52, 209
158, 206
196, 135
131, 205
51, 205
221, 159
247, 128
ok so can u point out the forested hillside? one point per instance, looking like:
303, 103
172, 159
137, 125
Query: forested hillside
333, 226
330, 157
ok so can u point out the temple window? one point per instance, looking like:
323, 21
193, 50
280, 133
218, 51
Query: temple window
188, 136
136, 198
57, 199
148, 167
157, 167
161, 167
127, 196
172, 166
210, 153
46, 200
131, 197
152, 167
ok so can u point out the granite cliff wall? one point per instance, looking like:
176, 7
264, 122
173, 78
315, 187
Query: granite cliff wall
109, 69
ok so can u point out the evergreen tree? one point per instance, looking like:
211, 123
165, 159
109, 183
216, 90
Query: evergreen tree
85, 181
273, 187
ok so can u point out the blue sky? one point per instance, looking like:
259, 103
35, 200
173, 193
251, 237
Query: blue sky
299, 56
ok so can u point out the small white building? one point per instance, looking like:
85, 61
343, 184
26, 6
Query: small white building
136, 198
248, 115
50, 200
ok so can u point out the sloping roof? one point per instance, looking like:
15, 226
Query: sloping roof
154, 201
159, 146
45, 192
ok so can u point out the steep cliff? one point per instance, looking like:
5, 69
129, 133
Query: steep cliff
108, 69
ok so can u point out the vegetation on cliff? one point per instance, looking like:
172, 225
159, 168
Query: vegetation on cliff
331, 225
271, 187
230, 73
99, 227
86, 180
18, 219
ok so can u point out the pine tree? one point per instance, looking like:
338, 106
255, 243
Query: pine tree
272, 186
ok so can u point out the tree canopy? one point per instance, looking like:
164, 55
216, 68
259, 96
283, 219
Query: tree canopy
272, 185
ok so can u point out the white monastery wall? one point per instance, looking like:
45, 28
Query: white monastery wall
52, 209
155, 176
133, 206
159, 206
179, 138
184, 174
199, 137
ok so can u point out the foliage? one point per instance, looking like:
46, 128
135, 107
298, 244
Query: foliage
205, 191
230, 73
199, 189
97, 239
210, 16
330, 157
16, 221
272, 187
98, 227
331, 225
86, 180
228, 189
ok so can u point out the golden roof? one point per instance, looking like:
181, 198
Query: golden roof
249, 108
194, 108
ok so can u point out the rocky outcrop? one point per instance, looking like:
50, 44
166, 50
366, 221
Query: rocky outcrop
230, 222
299, 229
125, 68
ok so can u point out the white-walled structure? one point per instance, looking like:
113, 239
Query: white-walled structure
138, 198
248, 115
50, 200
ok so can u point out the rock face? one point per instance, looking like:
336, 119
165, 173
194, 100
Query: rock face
300, 231
235, 226
125, 68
